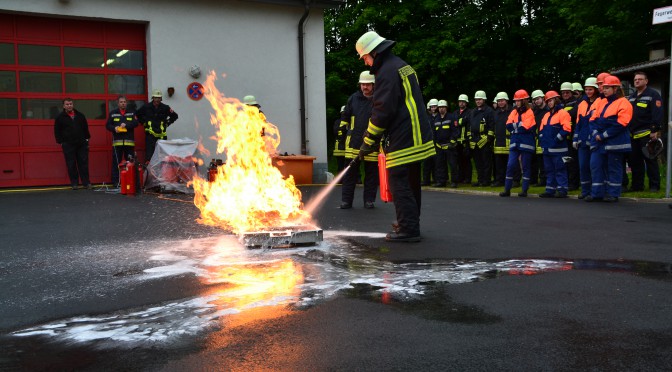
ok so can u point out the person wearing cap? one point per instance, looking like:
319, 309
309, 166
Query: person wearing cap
647, 116
156, 117
429, 165
571, 104
581, 137
481, 131
539, 108
609, 141
555, 127
462, 148
522, 126
445, 140
398, 114
356, 117
502, 138
340, 129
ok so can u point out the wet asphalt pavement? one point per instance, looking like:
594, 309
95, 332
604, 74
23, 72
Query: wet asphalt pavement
98, 281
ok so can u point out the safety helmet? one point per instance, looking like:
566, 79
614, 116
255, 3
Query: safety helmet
537, 93
501, 95
591, 82
577, 86
611, 81
365, 78
433, 102
653, 148
368, 42
551, 94
250, 100
601, 76
566, 86
443, 103
157, 93
480, 95
520, 94
342, 108
463, 97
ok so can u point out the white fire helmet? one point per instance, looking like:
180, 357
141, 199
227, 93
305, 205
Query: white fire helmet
443, 103
368, 42
250, 100
157, 93
365, 78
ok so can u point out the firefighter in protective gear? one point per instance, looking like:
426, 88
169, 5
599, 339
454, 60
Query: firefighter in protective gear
399, 115
481, 131
577, 90
647, 116
356, 119
156, 117
539, 108
502, 138
462, 149
581, 137
429, 165
122, 123
340, 130
571, 104
522, 126
555, 127
609, 141
445, 139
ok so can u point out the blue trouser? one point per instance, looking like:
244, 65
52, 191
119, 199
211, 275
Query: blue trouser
607, 173
556, 174
513, 167
584, 169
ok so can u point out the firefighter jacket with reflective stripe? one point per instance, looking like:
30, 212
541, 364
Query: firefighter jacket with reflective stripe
399, 112
538, 116
462, 136
340, 132
156, 119
481, 124
445, 131
523, 128
571, 106
610, 121
502, 136
555, 126
114, 121
73, 130
647, 113
583, 114
356, 118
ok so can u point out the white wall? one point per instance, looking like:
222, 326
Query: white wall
254, 44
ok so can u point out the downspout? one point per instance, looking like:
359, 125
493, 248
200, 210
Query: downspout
302, 79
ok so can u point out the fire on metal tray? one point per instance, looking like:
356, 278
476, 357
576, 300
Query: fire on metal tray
283, 237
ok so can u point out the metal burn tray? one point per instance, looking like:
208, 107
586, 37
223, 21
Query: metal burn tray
283, 237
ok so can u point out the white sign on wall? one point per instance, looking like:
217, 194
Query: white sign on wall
662, 15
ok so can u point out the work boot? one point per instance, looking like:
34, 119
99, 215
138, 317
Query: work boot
453, 185
402, 237
546, 195
561, 195
611, 199
505, 193
345, 205
369, 205
522, 194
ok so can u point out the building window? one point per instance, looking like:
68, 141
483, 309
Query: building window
83, 57
39, 55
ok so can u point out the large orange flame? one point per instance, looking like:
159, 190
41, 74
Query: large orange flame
249, 193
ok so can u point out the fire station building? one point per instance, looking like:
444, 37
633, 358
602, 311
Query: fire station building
95, 50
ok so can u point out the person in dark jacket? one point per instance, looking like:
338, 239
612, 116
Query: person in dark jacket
156, 117
356, 118
481, 130
429, 164
538, 177
399, 114
571, 104
72, 132
462, 150
502, 139
445, 139
340, 133
122, 123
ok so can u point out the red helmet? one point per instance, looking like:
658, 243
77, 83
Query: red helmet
601, 76
611, 81
520, 94
551, 94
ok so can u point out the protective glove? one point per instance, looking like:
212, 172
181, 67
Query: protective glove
575, 145
366, 149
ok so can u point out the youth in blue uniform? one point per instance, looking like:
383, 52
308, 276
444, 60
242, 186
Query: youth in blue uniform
555, 126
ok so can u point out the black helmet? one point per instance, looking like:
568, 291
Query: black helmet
653, 148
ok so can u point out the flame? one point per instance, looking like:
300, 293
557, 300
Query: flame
249, 193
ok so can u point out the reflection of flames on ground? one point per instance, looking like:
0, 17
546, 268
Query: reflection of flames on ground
249, 193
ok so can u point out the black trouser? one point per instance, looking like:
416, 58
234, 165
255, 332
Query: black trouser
77, 161
464, 163
573, 177
445, 158
483, 162
501, 161
538, 176
150, 145
640, 163
340, 164
120, 153
428, 170
405, 187
370, 182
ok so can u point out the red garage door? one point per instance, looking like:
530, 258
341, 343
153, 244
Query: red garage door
42, 61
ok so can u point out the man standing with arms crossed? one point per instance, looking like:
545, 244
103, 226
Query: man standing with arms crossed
399, 115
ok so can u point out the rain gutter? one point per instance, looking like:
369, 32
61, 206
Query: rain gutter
302, 78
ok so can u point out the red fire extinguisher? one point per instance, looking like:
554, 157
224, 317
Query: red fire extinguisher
385, 194
128, 178
212, 171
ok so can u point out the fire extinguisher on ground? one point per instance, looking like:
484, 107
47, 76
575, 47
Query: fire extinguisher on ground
127, 177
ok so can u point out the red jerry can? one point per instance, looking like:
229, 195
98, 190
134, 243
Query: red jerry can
385, 194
